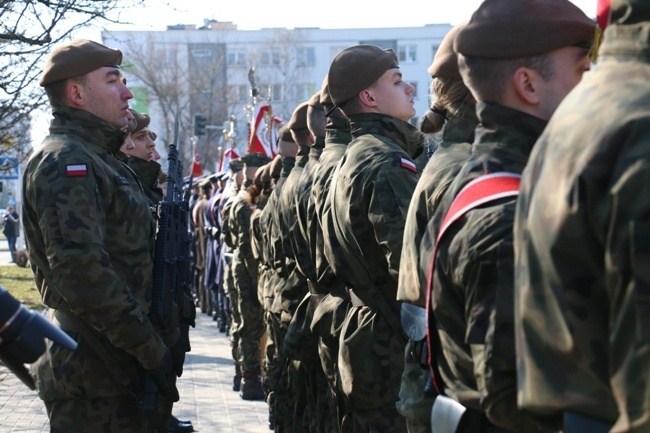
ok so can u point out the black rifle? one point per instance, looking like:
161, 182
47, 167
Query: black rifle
171, 261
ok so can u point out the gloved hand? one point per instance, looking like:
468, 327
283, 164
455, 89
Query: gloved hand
178, 355
165, 378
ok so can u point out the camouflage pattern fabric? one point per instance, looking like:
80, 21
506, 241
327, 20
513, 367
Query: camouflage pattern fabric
453, 148
89, 230
228, 275
363, 231
245, 274
472, 294
148, 173
581, 242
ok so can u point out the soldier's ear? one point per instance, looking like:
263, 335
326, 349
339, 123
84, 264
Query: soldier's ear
526, 83
74, 93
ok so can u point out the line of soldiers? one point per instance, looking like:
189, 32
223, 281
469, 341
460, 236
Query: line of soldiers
407, 283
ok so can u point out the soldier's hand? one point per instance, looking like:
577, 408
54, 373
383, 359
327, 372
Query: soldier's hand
164, 377
178, 355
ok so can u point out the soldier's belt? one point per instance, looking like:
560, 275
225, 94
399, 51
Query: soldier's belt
374, 297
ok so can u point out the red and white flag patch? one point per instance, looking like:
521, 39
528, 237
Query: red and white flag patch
410, 165
76, 170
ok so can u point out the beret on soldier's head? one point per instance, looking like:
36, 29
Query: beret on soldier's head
314, 101
299, 117
153, 135
76, 58
445, 62
510, 29
285, 134
236, 165
258, 178
141, 120
205, 183
255, 159
266, 172
325, 97
357, 68
276, 167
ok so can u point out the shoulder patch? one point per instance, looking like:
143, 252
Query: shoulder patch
409, 165
73, 170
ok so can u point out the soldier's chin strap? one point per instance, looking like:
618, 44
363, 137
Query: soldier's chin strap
482, 190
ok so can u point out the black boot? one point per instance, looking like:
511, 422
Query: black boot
236, 380
178, 426
251, 386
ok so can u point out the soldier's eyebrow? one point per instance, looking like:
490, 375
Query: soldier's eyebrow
115, 72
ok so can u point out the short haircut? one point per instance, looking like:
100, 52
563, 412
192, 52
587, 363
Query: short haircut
487, 78
56, 92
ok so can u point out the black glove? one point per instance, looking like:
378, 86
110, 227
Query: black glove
178, 355
165, 378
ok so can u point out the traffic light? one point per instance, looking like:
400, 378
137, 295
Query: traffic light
199, 125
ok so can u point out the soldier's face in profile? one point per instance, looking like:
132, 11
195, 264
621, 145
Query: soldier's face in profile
391, 95
144, 145
103, 94
569, 64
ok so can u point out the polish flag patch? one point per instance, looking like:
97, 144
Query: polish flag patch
410, 165
76, 170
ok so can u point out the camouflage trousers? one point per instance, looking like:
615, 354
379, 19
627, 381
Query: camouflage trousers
281, 398
251, 325
101, 415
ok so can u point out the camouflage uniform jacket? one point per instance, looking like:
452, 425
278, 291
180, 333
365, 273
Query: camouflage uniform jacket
240, 231
473, 293
306, 217
453, 149
89, 230
148, 173
582, 234
337, 137
283, 256
369, 196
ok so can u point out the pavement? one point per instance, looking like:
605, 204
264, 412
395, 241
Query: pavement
206, 395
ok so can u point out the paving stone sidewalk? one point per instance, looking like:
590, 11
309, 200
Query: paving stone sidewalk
207, 398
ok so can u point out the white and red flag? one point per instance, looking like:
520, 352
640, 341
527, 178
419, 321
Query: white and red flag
261, 141
197, 168
226, 157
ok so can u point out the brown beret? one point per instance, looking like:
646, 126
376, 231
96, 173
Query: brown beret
325, 97
257, 179
509, 29
445, 62
76, 58
276, 167
141, 121
285, 134
153, 135
314, 101
255, 159
236, 165
299, 117
357, 68
266, 172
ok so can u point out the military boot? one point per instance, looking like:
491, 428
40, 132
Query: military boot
251, 386
236, 380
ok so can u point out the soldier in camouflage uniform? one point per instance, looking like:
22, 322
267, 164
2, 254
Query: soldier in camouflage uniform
328, 316
581, 237
364, 226
517, 83
453, 110
308, 129
281, 399
141, 159
89, 230
245, 274
200, 244
237, 169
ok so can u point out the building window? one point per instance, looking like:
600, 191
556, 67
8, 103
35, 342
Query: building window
306, 91
407, 53
236, 58
201, 52
306, 56
270, 58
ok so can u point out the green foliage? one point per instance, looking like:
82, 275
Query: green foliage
20, 283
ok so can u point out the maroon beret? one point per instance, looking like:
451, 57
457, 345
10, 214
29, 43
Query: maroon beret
299, 117
509, 29
76, 58
445, 62
357, 68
